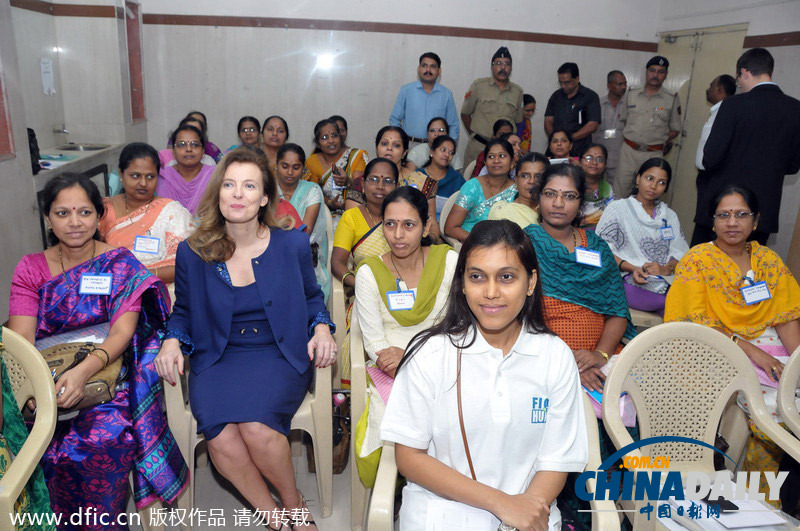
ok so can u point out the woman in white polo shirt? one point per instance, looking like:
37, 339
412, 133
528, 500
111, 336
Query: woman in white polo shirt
523, 427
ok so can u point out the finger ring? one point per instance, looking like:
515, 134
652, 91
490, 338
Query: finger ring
62, 391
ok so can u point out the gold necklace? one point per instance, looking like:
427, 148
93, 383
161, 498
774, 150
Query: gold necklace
61, 257
371, 219
125, 199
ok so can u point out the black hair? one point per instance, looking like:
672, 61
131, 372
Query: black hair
67, 180
377, 160
291, 148
253, 119
205, 120
527, 99
728, 84
403, 137
438, 141
507, 147
757, 61
749, 197
318, 130
436, 119
458, 320
431, 55
339, 118
285, 125
610, 76
572, 172
413, 197
189, 121
183, 127
138, 150
569, 68
655, 162
500, 123
532, 156
595, 145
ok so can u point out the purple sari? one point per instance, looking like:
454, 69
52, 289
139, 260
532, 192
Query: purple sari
90, 457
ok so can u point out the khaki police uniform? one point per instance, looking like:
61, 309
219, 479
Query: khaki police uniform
649, 121
486, 103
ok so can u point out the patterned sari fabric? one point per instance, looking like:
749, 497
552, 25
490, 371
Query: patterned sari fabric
91, 455
351, 161
598, 289
34, 498
373, 243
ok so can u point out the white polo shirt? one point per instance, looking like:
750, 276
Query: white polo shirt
522, 413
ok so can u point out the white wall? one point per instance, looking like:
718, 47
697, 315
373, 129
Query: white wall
613, 19
764, 16
35, 38
228, 72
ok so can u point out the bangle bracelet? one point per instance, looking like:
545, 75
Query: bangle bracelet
605, 355
735, 339
345, 276
104, 351
620, 266
98, 356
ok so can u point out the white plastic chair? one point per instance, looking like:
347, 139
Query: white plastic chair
681, 376
787, 403
381, 505
448, 206
468, 170
643, 319
30, 378
315, 417
359, 494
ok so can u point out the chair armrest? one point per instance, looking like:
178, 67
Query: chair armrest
381, 505
787, 406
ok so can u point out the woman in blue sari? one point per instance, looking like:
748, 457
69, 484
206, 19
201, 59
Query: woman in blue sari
81, 287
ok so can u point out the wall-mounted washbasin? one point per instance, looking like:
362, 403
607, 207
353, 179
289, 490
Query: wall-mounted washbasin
81, 147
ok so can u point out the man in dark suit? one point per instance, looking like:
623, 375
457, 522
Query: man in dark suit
755, 142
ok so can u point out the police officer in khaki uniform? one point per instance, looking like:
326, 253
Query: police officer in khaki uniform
489, 99
654, 120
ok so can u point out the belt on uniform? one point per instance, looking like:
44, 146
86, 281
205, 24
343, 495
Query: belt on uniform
644, 147
479, 138
418, 140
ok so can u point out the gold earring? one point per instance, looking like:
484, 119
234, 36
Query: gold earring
713, 229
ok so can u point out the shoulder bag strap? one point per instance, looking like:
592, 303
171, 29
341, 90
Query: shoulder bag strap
461, 416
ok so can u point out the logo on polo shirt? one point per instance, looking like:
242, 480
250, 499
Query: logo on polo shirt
539, 410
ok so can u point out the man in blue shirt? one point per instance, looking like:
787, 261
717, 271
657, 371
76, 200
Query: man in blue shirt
418, 102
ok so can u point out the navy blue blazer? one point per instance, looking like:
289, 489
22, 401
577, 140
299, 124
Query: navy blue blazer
287, 287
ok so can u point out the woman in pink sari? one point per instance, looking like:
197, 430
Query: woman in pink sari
186, 181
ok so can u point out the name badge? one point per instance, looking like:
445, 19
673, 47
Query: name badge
147, 244
756, 293
588, 257
610, 133
401, 300
98, 284
667, 233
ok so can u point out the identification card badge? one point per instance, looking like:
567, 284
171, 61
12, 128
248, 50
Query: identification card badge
588, 257
610, 133
97, 284
756, 293
667, 233
400, 300
147, 244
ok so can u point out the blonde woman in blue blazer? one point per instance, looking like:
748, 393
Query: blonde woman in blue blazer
247, 302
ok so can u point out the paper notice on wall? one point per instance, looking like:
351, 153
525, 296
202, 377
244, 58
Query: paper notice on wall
48, 84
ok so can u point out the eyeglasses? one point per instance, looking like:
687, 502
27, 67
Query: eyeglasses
501, 156
248, 130
437, 130
331, 136
569, 197
742, 214
501, 63
375, 179
183, 144
529, 176
590, 159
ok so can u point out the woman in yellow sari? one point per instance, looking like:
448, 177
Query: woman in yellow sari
360, 235
721, 284
151, 227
